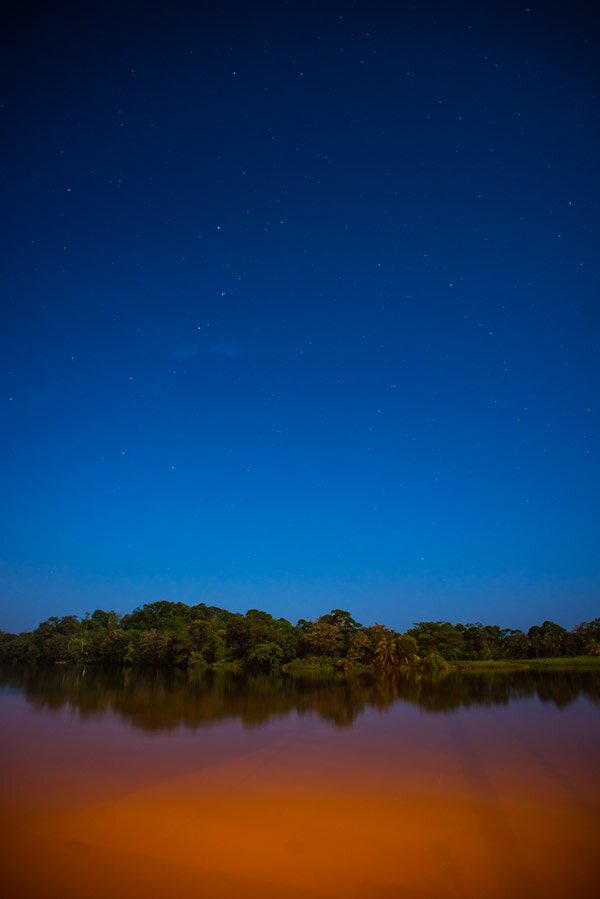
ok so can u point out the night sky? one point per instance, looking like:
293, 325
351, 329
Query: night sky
300, 309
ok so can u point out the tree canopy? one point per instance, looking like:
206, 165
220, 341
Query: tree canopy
176, 634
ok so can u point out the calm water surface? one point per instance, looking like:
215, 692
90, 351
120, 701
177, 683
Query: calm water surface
159, 784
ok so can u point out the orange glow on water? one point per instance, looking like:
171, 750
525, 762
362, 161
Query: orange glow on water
499, 802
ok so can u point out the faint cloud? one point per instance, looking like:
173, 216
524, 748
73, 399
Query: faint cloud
186, 352
225, 349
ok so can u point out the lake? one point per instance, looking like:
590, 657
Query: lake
163, 783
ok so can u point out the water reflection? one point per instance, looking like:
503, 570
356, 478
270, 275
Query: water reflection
157, 699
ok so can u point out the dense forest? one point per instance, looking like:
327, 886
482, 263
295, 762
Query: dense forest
173, 633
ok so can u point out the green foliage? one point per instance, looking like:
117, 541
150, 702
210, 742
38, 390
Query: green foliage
177, 635
196, 660
386, 654
438, 637
267, 655
323, 639
435, 661
407, 648
588, 637
361, 650
313, 665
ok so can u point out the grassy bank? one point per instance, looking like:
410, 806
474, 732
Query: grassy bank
328, 666
560, 662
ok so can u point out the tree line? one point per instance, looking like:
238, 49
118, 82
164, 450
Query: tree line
173, 633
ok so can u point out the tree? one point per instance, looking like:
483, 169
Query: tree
515, 644
438, 637
406, 648
588, 637
267, 655
169, 633
386, 654
362, 648
547, 640
481, 641
324, 639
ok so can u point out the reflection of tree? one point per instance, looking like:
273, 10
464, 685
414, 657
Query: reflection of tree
162, 699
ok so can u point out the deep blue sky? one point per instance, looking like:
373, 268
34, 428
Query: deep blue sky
300, 309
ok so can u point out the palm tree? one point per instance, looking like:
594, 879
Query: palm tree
386, 656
